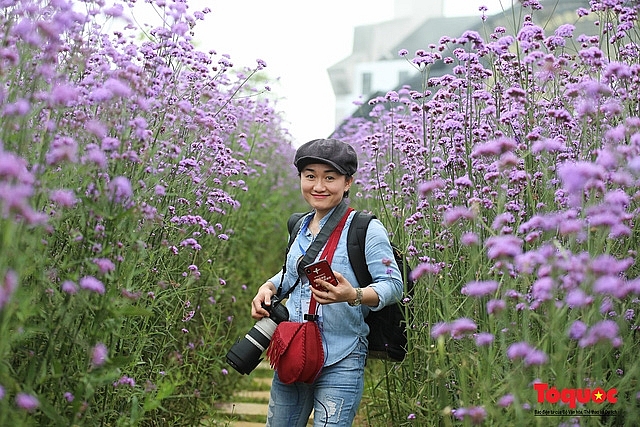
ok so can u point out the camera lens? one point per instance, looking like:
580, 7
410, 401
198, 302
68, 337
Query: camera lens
246, 353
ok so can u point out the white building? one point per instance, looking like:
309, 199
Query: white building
374, 64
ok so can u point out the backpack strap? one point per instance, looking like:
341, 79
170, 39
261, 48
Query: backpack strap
293, 225
355, 247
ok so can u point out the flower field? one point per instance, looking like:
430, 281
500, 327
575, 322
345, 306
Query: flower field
125, 162
144, 184
512, 184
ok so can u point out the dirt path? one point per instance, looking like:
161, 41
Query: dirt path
248, 408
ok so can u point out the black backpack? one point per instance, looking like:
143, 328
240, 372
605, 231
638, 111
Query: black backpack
388, 334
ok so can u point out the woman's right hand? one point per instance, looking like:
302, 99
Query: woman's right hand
265, 292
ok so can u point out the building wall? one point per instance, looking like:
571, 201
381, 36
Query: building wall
382, 75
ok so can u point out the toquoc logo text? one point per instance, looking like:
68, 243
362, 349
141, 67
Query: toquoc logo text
574, 395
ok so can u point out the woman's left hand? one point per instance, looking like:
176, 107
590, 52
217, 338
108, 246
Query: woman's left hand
341, 293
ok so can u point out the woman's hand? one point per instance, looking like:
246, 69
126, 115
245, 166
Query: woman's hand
341, 293
265, 292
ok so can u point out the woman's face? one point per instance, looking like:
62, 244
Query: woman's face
323, 187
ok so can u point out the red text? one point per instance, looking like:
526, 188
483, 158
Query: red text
572, 396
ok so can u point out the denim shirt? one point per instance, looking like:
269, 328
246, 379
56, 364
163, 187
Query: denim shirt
341, 325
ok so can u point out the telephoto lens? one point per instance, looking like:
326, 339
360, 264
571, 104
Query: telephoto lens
246, 353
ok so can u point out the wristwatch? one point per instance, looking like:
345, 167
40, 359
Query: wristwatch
358, 299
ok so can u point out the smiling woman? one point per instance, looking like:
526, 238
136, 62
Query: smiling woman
326, 168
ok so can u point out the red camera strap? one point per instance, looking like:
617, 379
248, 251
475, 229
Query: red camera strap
328, 251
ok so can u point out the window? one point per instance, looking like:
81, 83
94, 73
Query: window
366, 83
403, 77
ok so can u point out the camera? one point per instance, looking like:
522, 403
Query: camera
245, 354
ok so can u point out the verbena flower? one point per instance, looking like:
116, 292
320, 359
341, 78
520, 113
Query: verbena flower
69, 287
99, 354
439, 329
457, 213
120, 189
503, 246
483, 339
8, 287
475, 414
605, 330
495, 306
64, 198
90, 283
27, 402
459, 328
577, 298
506, 400
479, 288
105, 265
125, 380
577, 330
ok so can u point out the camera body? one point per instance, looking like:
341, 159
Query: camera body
246, 353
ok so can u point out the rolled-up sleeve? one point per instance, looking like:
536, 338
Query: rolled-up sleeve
387, 280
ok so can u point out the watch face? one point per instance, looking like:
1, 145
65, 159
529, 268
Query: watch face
358, 299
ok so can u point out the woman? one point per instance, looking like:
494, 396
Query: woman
326, 168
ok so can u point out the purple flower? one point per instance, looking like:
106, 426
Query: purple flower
576, 176
483, 339
8, 287
62, 149
90, 283
565, 30
99, 354
68, 396
610, 285
548, 145
495, 306
530, 355
506, 400
494, 147
535, 357
429, 187
577, 330
457, 213
542, 288
607, 264
27, 402
506, 246
64, 198
424, 268
479, 288
576, 298
105, 265
440, 328
69, 287
469, 239
117, 87
125, 380
120, 189
1, 392
518, 350
476, 414
63, 94
605, 330
461, 327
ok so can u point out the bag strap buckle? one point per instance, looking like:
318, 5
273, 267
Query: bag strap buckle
311, 317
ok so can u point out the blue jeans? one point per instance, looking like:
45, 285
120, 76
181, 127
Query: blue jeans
334, 396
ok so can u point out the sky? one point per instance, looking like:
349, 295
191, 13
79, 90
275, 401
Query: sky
299, 40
